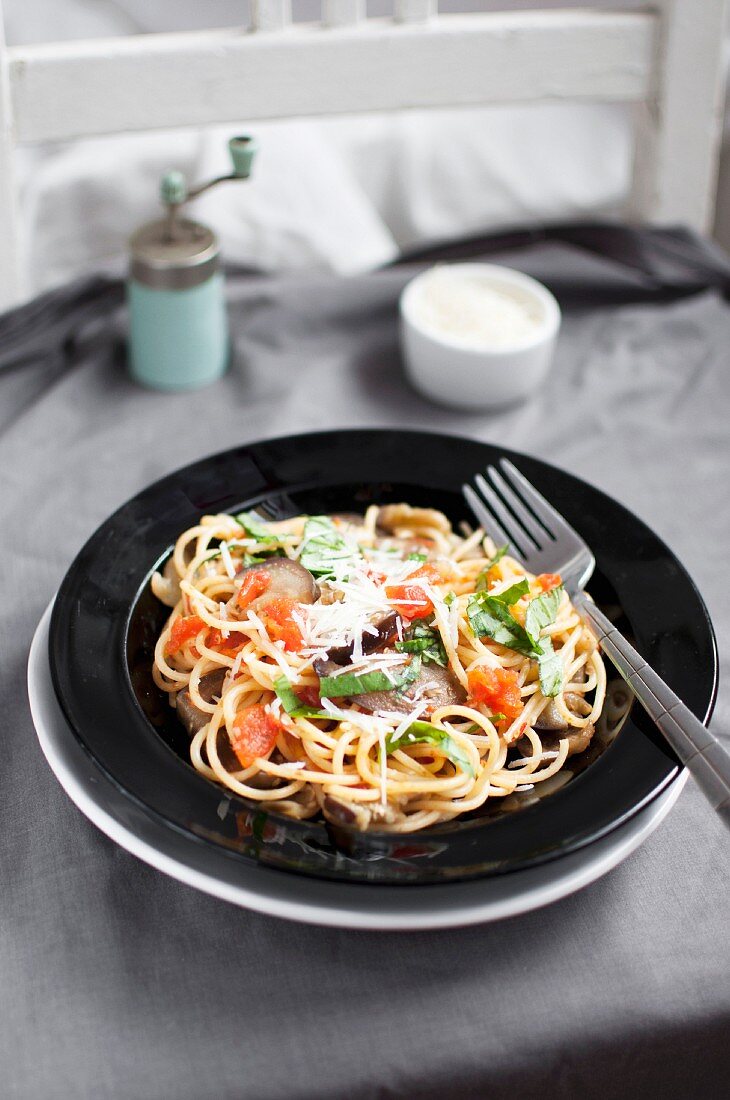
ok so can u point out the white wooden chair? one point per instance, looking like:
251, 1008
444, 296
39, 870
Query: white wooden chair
666, 61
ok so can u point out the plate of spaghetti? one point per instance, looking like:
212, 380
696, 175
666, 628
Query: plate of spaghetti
340, 674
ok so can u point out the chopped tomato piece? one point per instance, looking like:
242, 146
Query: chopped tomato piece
497, 688
253, 585
429, 572
279, 623
410, 598
253, 734
229, 646
547, 581
184, 629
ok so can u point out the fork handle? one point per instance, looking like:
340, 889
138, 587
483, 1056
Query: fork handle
697, 748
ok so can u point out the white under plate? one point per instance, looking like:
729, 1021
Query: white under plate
298, 897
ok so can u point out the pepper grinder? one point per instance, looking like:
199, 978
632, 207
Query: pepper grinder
178, 329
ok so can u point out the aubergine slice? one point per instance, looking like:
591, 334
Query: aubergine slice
552, 723
434, 685
191, 716
289, 580
387, 628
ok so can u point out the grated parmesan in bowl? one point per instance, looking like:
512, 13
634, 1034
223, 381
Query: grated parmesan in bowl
470, 307
477, 336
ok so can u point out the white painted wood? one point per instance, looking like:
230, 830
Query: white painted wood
414, 11
343, 13
270, 15
679, 127
10, 267
668, 60
74, 89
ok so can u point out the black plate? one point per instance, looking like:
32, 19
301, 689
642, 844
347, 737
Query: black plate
105, 622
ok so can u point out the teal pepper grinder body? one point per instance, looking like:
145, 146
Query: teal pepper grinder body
178, 328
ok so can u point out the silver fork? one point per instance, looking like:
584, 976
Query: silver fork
512, 511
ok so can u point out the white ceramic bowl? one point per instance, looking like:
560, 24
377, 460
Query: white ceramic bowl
460, 372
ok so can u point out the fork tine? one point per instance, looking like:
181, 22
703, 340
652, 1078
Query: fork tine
488, 521
552, 520
515, 535
535, 530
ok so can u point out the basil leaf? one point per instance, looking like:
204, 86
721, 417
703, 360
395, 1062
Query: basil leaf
542, 610
253, 526
540, 613
491, 618
419, 733
291, 702
426, 641
550, 669
349, 683
324, 546
482, 582
410, 673
488, 614
352, 683
514, 593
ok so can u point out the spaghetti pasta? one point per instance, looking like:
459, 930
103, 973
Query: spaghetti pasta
382, 670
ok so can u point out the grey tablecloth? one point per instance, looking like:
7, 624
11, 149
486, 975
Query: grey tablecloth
118, 982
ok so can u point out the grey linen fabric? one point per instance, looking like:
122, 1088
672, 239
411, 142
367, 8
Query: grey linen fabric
116, 981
